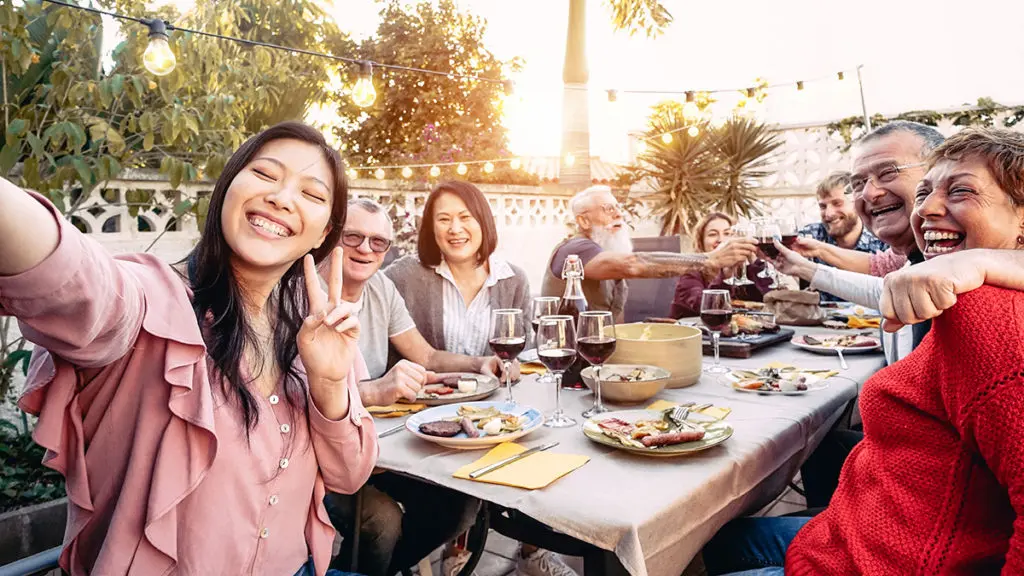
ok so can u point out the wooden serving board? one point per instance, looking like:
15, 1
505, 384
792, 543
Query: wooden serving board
736, 348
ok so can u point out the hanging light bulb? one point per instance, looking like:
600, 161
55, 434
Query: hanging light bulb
666, 138
515, 164
488, 168
406, 172
379, 174
363, 92
841, 76
462, 169
435, 171
693, 131
158, 58
613, 95
800, 85
353, 174
569, 159
690, 110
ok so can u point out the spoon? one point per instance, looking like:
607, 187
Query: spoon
842, 361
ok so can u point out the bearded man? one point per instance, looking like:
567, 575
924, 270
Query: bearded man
840, 225
606, 251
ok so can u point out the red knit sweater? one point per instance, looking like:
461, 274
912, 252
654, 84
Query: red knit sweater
937, 485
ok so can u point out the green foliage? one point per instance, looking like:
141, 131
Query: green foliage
647, 16
23, 478
717, 169
420, 119
984, 113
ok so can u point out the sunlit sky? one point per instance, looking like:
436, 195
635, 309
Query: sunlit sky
917, 54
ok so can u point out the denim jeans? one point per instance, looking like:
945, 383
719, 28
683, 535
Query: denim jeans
308, 569
820, 472
752, 546
403, 520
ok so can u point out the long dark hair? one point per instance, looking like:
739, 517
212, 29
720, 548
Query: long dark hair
217, 297
476, 202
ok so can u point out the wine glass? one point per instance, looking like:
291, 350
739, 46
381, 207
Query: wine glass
715, 313
766, 233
595, 341
740, 278
508, 338
788, 230
556, 348
543, 306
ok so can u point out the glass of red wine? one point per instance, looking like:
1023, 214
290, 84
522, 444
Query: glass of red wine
508, 339
788, 230
556, 348
543, 306
715, 313
595, 341
766, 233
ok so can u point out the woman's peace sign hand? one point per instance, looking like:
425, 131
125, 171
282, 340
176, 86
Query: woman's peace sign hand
327, 339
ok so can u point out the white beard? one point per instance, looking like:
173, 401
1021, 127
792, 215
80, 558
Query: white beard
610, 241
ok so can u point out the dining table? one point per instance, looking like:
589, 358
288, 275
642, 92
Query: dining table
650, 516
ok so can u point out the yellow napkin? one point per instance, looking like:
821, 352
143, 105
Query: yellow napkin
856, 322
716, 412
394, 410
822, 375
532, 472
532, 368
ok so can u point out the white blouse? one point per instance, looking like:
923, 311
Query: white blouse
467, 328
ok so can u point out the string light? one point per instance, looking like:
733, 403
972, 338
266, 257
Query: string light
613, 95
363, 93
435, 171
406, 172
693, 131
488, 167
462, 169
353, 174
158, 58
515, 163
800, 85
379, 173
841, 76
690, 110
666, 138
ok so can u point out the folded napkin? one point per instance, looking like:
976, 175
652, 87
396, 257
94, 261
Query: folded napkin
394, 410
716, 412
532, 472
532, 368
856, 322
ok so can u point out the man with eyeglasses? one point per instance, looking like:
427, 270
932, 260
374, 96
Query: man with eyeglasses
394, 536
606, 251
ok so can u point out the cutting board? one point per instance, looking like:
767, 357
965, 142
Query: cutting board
736, 348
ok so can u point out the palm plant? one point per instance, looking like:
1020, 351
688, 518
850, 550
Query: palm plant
718, 169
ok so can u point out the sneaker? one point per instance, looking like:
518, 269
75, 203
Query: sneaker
543, 563
452, 565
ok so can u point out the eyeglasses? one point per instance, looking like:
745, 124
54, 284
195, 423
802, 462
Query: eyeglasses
885, 174
354, 240
611, 209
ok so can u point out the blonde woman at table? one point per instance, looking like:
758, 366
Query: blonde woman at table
198, 412
937, 484
450, 288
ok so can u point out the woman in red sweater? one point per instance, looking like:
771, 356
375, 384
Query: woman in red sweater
937, 484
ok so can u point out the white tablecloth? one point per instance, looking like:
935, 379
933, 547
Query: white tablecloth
656, 514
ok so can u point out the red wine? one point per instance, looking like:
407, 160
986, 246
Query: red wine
596, 349
557, 359
716, 320
572, 307
507, 348
768, 247
788, 240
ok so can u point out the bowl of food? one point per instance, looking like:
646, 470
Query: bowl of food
627, 383
674, 348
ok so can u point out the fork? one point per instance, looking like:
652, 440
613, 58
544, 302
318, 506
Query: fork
678, 416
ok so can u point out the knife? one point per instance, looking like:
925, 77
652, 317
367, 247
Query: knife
502, 463
391, 431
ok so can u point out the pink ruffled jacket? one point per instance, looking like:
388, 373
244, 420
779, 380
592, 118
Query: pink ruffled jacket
160, 476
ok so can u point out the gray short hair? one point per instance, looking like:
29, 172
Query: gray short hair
371, 206
577, 201
930, 137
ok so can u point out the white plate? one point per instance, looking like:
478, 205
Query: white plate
815, 384
798, 341
485, 386
715, 433
461, 441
